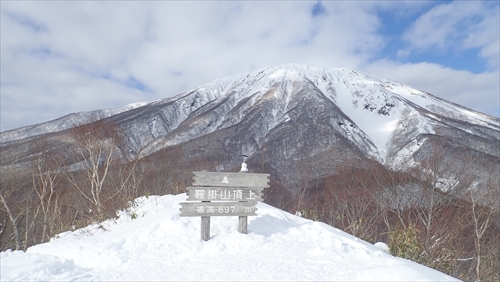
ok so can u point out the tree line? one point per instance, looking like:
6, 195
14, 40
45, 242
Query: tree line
80, 184
437, 214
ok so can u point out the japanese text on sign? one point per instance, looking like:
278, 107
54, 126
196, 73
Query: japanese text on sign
202, 194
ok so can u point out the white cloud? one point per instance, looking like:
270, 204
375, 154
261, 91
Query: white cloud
459, 25
485, 36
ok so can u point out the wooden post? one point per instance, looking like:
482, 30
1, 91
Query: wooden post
243, 220
205, 228
242, 224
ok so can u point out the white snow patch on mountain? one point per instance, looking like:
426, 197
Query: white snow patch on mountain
149, 241
68, 121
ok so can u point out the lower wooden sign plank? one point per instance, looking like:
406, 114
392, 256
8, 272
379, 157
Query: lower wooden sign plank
203, 193
219, 208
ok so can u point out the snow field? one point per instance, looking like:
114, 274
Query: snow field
150, 241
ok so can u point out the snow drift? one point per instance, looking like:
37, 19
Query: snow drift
149, 241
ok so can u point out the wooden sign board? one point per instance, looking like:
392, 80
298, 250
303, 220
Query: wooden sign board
230, 179
204, 193
234, 193
219, 208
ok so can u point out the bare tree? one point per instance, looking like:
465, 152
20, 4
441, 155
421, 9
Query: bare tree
124, 183
30, 222
484, 207
395, 194
169, 177
300, 180
45, 179
278, 195
350, 201
9, 185
12, 218
97, 150
441, 178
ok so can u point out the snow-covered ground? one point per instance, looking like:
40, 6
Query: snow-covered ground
149, 241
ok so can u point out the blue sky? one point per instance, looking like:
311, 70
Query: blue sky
394, 26
62, 57
453, 54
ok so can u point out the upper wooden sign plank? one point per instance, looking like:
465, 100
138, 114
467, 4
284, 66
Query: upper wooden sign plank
230, 179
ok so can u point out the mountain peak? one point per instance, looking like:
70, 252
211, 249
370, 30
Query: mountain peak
293, 69
296, 66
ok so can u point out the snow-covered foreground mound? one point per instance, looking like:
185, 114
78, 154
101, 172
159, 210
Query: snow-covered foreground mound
151, 242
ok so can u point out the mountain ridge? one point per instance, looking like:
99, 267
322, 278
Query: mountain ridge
103, 113
380, 118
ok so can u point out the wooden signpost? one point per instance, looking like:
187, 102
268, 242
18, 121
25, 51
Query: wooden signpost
224, 194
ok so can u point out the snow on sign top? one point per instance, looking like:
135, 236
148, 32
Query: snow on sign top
230, 179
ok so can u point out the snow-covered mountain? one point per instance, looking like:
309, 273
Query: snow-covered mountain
288, 114
150, 242
65, 122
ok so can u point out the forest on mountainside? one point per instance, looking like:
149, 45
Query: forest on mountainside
428, 214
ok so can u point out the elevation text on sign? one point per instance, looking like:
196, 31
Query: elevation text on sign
219, 209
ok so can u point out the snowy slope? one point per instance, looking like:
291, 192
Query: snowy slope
159, 245
68, 121
370, 110
378, 106
293, 112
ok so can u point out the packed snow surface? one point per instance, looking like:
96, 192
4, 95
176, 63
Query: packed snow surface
149, 241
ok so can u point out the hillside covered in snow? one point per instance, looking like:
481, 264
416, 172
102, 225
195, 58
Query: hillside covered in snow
150, 242
281, 115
